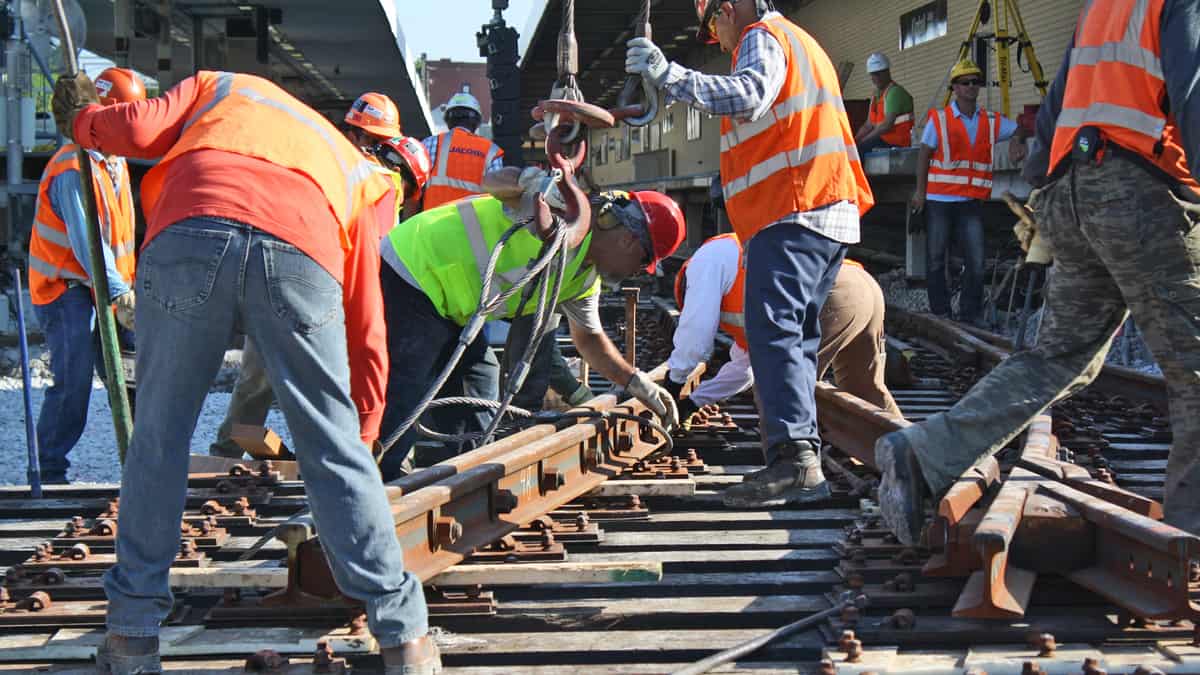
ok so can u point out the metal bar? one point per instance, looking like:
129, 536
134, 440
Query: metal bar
851, 424
1000, 589
34, 471
631, 299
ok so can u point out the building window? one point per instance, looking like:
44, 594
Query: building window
668, 122
599, 152
693, 124
925, 23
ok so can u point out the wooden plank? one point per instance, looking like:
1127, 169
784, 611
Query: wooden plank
209, 464
760, 560
721, 539
599, 611
671, 487
741, 668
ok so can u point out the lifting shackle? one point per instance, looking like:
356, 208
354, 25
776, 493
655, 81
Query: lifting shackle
629, 109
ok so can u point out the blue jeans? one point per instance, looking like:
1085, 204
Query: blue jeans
420, 342
67, 323
198, 282
963, 221
789, 272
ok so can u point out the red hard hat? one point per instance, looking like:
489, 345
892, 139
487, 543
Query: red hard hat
704, 11
664, 221
375, 114
405, 153
120, 85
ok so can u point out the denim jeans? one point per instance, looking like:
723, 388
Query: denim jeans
420, 342
790, 270
198, 282
67, 323
249, 404
962, 221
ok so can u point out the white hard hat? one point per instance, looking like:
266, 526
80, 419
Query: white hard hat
877, 62
464, 100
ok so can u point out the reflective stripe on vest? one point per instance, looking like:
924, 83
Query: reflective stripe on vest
444, 187
763, 170
958, 169
902, 126
732, 317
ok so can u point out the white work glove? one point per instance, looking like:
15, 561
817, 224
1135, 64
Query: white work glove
531, 182
124, 309
654, 397
643, 57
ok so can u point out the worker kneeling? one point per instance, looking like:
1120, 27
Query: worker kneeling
433, 275
709, 292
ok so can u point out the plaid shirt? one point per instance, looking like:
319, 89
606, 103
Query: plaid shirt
748, 94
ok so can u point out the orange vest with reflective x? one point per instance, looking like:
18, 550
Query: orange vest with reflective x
462, 159
1115, 83
52, 263
800, 155
901, 133
959, 167
733, 303
247, 115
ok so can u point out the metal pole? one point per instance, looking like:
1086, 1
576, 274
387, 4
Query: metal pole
114, 373
34, 470
12, 101
631, 301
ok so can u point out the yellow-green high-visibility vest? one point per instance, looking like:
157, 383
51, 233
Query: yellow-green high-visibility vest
446, 251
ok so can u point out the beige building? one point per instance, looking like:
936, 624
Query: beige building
683, 143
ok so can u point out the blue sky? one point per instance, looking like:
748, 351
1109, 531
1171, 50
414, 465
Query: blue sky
447, 29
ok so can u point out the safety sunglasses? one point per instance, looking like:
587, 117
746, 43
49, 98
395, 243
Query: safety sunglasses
970, 83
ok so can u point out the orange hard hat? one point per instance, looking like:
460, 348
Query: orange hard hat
120, 85
407, 154
664, 222
375, 114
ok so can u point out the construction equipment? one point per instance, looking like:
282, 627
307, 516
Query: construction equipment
33, 472
629, 110
1008, 17
114, 374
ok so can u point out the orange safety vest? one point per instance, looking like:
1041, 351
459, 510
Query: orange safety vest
733, 303
52, 263
800, 155
462, 159
250, 116
901, 133
958, 167
1115, 83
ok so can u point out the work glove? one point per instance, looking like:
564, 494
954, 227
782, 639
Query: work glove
654, 397
643, 57
124, 308
72, 93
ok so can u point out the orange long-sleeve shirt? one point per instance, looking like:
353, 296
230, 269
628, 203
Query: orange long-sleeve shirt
275, 200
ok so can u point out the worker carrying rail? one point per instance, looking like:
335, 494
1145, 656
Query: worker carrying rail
261, 218
433, 277
460, 156
794, 191
890, 120
709, 292
59, 284
1119, 136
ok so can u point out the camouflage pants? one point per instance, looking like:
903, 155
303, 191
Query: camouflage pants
1122, 242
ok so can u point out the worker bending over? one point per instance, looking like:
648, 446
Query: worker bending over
460, 155
433, 277
60, 276
954, 178
794, 191
261, 219
890, 121
709, 290
1121, 126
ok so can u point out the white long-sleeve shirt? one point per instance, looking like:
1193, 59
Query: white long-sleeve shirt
710, 274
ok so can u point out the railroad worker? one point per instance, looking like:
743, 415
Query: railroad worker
954, 178
404, 157
794, 191
234, 243
460, 155
709, 292
372, 119
1121, 126
547, 370
890, 121
60, 277
433, 276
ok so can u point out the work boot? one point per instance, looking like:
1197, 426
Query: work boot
120, 655
794, 477
415, 657
902, 490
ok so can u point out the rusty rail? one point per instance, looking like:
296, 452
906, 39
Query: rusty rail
444, 513
852, 424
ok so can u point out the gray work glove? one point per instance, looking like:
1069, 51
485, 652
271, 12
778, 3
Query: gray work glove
71, 94
654, 397
643, 57
124, 308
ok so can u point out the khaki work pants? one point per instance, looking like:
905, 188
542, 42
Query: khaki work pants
1122, 242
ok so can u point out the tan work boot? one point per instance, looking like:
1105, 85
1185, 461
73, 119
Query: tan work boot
120, 655
415, 657
794, 477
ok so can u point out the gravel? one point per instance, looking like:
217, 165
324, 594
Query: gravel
94, 458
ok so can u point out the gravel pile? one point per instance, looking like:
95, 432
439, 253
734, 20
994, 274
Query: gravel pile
94, 459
